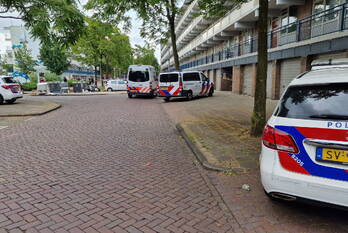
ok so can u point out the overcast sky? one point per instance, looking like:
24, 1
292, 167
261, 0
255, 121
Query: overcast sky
134, 34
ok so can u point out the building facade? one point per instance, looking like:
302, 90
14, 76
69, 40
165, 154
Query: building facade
300, 31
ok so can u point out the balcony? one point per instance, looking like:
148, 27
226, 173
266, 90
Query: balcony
323, 23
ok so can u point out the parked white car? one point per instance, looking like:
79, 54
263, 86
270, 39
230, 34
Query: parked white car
141, 80
10, 91
188, 84
116, 85
305, 143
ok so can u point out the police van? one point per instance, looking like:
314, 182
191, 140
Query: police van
305, 143
141, 81
188, 84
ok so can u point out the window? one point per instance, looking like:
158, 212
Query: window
169, 78
121, 82
138, 76
113, 82
204, 78
8, 80
191, 77
315, 102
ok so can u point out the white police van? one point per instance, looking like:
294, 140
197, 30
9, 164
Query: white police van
305, 143
141, 80
188, 84
10, 91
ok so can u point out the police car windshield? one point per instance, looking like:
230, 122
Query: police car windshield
138, 76
315, 102
169, 78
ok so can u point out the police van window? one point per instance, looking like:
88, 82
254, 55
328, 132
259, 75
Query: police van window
205, 78
315, 102
191, 77
166, 78
8, 80
138, 76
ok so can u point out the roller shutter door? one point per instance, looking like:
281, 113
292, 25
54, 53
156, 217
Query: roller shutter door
290, 69
332, 56
247, 80
269, 80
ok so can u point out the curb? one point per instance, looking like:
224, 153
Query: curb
200, 154
32, 114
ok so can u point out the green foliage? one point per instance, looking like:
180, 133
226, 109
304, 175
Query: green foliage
29, 86
145, 56
158, 17
71, 82
103, 43
54, 57
49, 20
52, 77
218, 8
24, 61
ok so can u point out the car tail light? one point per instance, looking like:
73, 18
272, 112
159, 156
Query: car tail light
6, 87
278, 140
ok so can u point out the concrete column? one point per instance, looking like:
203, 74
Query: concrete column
306, 63
218, 83
254, 76
275, 79
237, 83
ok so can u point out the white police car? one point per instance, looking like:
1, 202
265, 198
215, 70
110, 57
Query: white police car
10, 91
305, 143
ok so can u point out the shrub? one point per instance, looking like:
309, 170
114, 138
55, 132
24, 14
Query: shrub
29, 86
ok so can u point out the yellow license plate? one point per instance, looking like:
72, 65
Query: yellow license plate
164, 88
332, 155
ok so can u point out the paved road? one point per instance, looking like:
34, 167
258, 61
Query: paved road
105, 163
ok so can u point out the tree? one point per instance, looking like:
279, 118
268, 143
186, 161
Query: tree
54, 57
221, 7
104, 46
24, 61
145, 55
158, 18
48, 20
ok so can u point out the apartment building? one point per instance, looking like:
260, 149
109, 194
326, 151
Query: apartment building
300, 31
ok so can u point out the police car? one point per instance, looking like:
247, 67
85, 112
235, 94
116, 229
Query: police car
10, 91
305, 143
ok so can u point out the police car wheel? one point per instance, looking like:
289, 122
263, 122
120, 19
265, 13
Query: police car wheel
130, 96
211, 92
167, 99
109, 90
189, 96
1, 99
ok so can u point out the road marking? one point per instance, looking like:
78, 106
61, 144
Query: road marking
29, 119
3, 127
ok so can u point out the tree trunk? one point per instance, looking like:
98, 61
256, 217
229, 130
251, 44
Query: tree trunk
259, 115
173, 39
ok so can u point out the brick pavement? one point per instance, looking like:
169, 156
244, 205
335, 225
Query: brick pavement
104, 164
213, 121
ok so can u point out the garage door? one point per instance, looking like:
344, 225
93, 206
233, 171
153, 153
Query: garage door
247, 80
289, 70
269, 80
332, 56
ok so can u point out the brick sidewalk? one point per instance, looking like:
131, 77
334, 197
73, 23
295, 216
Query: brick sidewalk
216, 122
220, 127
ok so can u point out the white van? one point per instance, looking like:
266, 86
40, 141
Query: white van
116, 85
141, 80
187, 84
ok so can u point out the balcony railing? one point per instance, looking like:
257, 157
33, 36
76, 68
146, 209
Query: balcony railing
319, 24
